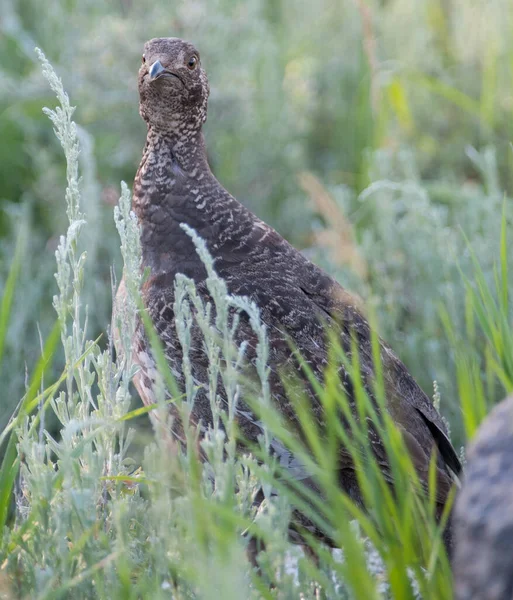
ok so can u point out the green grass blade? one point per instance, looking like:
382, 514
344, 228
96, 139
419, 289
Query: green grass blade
10, 462
8, 295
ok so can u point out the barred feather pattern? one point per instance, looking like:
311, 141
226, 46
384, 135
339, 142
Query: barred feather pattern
298, 301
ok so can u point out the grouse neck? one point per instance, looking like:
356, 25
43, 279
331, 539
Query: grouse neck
173, 185
169, 165
187, 151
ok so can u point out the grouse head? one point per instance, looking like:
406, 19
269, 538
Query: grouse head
173, 87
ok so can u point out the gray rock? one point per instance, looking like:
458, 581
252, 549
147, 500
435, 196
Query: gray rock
483, 516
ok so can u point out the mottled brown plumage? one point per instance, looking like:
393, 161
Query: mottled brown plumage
483, 515
297, 299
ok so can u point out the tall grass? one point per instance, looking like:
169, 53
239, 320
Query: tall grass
93, 518
90, 521
10, 460
488, 343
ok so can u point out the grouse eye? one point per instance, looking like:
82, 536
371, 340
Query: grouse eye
191, 64
143, 59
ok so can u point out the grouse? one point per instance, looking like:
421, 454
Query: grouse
483, 517
298, 301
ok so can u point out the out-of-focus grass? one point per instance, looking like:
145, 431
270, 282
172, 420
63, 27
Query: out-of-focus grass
487, 345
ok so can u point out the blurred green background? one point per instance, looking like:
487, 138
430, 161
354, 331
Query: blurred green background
371, 134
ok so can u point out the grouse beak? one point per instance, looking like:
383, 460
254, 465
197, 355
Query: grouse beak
156, 70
